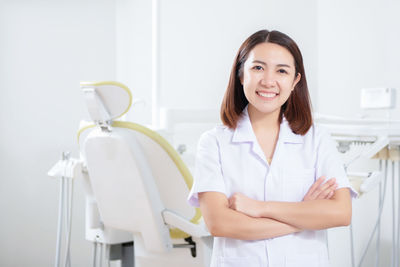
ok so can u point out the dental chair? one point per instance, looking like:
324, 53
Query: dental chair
136, 185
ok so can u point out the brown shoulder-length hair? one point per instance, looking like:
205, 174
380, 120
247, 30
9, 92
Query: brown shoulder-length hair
297, 109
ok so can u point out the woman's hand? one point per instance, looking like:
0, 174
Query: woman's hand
246, 205
318, 191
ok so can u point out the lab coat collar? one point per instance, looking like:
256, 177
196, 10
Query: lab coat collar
287, 135
244, 131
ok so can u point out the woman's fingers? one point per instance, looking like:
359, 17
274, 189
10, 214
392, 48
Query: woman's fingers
324, 189
313, 188
320, 190
327, 192
330, 195
317, 183
232, 201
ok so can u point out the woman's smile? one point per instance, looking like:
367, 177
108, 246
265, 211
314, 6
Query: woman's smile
267, 96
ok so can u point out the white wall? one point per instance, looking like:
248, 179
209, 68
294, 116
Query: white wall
134, 54
199, 40
358, 47
46, 49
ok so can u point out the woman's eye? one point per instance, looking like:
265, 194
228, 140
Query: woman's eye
257, 68
282, 71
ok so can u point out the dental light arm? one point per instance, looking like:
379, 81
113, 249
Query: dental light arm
364, 182
373, 179
381, 142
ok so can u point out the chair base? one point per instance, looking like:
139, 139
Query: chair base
176, 257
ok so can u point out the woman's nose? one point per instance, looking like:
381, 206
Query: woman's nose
268, 80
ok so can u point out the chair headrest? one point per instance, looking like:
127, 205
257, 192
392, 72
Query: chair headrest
106, 100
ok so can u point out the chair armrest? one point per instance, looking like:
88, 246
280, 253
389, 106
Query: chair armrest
174, 219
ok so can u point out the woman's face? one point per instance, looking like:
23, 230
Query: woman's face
269, 76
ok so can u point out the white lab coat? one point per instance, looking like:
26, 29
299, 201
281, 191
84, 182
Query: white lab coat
230, 161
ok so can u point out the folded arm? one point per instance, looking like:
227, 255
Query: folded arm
311, 215
224, 221
315, 214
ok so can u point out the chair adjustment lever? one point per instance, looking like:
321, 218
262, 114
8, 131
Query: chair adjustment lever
190, 244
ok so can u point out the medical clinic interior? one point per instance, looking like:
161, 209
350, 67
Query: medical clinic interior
124, 140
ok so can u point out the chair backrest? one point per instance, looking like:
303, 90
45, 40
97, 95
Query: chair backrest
135, 174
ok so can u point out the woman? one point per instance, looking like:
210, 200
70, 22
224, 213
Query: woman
255, 177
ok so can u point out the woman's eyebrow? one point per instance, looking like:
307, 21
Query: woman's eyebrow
283, 65
260, 62
278, 65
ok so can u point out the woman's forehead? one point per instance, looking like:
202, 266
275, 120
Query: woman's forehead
270, 53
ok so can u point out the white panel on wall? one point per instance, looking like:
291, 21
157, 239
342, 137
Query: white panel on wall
134, 55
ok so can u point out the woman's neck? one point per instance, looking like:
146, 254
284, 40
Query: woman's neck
263, 122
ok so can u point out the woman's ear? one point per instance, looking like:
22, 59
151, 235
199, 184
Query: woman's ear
296, 80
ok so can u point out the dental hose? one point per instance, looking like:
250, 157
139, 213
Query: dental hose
69, 195
94, 253
377, 224
394, 257
352, 245
398, 214
60, 219
65, 206
98, 259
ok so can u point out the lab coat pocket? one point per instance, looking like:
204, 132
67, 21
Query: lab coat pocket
238, 262
296, 183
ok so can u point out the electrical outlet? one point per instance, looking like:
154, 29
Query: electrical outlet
378, 98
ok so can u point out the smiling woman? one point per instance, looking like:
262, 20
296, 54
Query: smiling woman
256, 175
274, 56
269, 76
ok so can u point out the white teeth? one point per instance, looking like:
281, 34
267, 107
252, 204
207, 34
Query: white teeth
267, 94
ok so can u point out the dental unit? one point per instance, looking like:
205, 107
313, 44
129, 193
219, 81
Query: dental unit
377, 140
136, 185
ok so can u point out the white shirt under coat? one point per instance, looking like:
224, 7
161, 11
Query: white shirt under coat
230, 161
